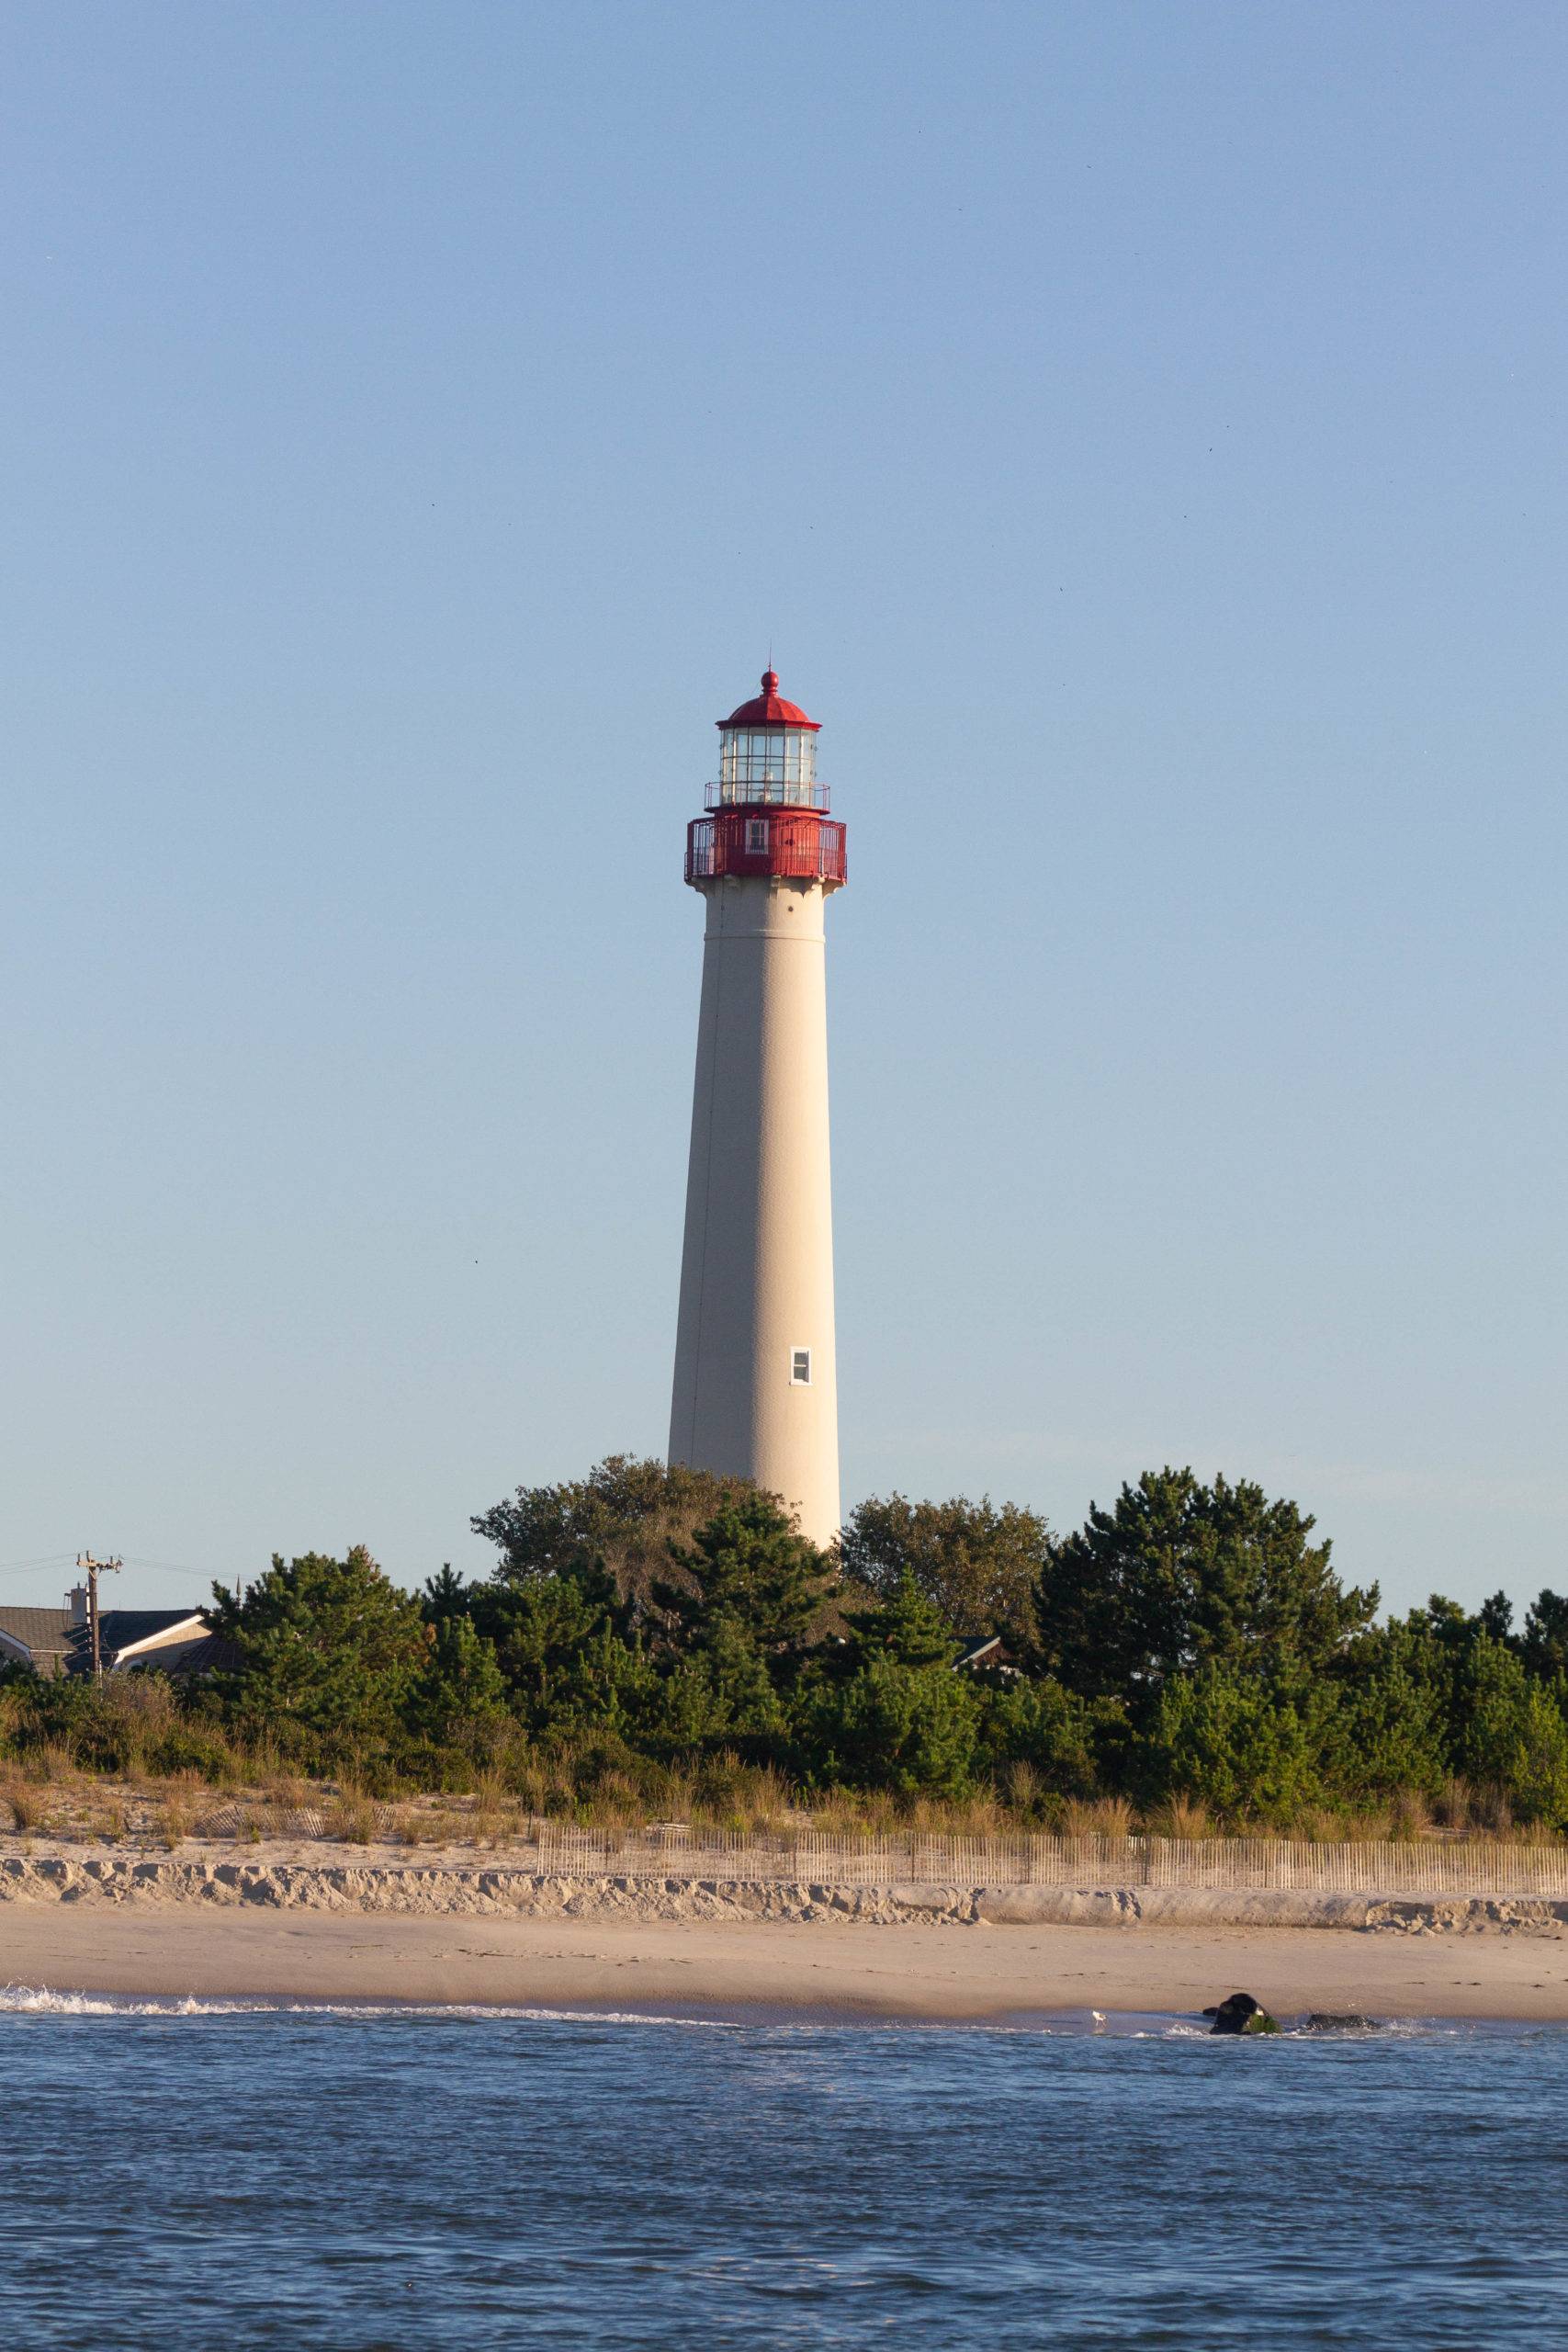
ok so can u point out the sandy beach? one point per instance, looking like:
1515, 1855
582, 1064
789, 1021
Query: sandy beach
612, 1950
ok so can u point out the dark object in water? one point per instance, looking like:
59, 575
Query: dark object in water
1337, 2022
1239, 2013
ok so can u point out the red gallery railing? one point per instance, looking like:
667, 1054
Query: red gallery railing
793, 846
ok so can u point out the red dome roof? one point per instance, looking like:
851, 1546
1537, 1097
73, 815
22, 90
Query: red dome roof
767, 709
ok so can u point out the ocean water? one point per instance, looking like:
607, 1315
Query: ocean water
229, 2175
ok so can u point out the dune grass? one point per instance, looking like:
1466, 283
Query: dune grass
49, 1793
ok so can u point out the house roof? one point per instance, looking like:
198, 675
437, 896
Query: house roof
985, 1649
48, 1640
125, 1629
975, 1648
43, 1634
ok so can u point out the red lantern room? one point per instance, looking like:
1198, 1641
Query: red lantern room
769, 817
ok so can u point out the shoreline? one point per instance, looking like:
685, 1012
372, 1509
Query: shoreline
468, 1934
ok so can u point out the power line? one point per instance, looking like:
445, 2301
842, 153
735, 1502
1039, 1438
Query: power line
165, 1567
65, 1559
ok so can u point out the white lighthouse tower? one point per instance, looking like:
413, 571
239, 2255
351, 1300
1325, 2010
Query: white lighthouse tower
756, 1391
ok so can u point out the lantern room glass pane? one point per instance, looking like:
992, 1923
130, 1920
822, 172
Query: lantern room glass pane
767, 764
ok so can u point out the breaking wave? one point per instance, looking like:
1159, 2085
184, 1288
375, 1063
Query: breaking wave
41, 2000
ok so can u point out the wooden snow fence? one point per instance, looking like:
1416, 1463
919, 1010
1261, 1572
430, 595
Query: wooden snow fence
1226, 1864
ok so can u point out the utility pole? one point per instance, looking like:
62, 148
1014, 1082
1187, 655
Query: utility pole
93, 1569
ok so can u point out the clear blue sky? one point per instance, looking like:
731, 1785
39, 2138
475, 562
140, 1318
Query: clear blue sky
1139, 433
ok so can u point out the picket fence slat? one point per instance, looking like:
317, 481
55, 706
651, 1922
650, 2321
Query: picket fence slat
1226, 1864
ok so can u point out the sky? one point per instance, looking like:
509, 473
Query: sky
1137, 434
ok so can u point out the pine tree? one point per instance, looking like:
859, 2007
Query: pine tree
749, 1572
459, 1694
906, 1626
1178, 1577
328, 1646
908, 1728
563, 1644
1545, 1643
446, 1595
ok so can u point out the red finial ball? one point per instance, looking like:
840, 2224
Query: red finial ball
769, 709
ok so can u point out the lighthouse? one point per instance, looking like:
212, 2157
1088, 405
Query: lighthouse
755, 1389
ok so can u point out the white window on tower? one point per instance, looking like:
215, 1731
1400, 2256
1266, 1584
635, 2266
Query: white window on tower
800, 1367
756, 837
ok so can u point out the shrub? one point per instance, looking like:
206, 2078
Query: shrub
459, 1696
1536, 1762
1049, 1729
906, 1728
1228, 1744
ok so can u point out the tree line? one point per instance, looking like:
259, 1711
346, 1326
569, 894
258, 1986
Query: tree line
1189, 1647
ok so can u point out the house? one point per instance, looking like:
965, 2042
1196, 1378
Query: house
58, 1641
985, 1653
35, 1637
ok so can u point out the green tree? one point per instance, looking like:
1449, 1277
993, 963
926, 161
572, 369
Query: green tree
740, 1618
328, 1648
885, 1709
905, 1625
1481, 1690
911, 1729
1232, 1744
562, 1644
1545, 1645
1059, 1734
1385, 1732
1535, 1762
1489, 1711
446, 1595
457, 1698
721, 1694
1497, 1618
978, 1562
1179, 1576
747, 1572
623, 1515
